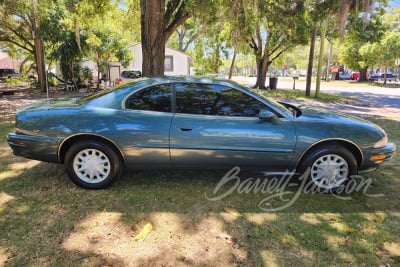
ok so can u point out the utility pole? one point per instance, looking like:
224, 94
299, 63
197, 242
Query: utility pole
310, 61
328, 64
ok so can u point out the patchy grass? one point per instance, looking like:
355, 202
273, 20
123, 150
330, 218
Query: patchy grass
45, 220
300, 94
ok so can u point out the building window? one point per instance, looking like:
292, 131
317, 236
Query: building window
169, 63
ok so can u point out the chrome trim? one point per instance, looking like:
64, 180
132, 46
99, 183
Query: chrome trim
88, 134
331, 139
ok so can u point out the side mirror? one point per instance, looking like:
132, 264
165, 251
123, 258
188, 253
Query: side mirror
267, 115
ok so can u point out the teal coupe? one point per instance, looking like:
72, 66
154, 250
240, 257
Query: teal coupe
194, 123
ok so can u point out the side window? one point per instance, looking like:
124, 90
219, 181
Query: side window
209, 99
192, 98
233, 102
157, 98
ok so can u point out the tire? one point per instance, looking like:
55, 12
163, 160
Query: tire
330, 167
92, 164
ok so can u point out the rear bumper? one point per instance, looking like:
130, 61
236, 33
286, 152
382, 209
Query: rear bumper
40, 148
373, 157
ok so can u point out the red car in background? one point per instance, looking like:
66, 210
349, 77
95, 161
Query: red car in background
355, 76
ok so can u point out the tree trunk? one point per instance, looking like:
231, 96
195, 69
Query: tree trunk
385, 75
217, 58
181, 36
363, 74
262, 68
153, 37
39, 59
328, 63
310, 61
232, 65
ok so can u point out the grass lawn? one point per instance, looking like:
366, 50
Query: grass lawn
299, 94
45, 220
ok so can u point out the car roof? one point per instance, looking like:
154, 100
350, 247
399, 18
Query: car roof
189, 79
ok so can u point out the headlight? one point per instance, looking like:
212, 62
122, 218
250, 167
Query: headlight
382, 142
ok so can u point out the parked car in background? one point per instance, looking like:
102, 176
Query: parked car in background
344, 76
8, 73
195, 123
381, 76
129, 75
355, 76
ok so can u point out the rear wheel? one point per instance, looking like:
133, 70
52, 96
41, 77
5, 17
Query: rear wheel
329, 167
92, 164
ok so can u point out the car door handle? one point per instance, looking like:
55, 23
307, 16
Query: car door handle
186, 129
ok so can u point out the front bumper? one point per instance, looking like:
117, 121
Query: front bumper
42, 148
373, 157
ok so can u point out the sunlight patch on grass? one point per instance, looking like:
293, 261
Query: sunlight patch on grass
290, 240
347, 257
227, 217
4, 198
341, 227
392, 248
310, 218
5, 151
4, 256
269, 258
9, 174
261, 218
335, 241
24, 165
23, 209
230, 215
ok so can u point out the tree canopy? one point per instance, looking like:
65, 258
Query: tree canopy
358, 48
212, 32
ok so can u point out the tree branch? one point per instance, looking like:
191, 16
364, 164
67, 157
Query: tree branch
180, 17
191, 40
17, 33
279, 54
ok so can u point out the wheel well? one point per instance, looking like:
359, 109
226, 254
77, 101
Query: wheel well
66, 145
354, 149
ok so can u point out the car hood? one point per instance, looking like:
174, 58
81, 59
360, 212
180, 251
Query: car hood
340, 124
312, 113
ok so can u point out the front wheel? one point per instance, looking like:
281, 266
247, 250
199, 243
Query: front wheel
92, 164
329, 167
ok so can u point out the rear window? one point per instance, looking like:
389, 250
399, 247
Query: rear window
91, 97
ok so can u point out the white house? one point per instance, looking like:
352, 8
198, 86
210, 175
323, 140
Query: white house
176, 62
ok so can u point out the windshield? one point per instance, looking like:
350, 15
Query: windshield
88, 98
279, 106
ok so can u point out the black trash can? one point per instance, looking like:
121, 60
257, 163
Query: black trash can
273, 82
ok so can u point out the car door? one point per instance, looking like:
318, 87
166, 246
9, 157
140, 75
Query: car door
145, 135
218, 127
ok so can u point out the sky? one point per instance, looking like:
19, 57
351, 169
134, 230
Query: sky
394, 3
